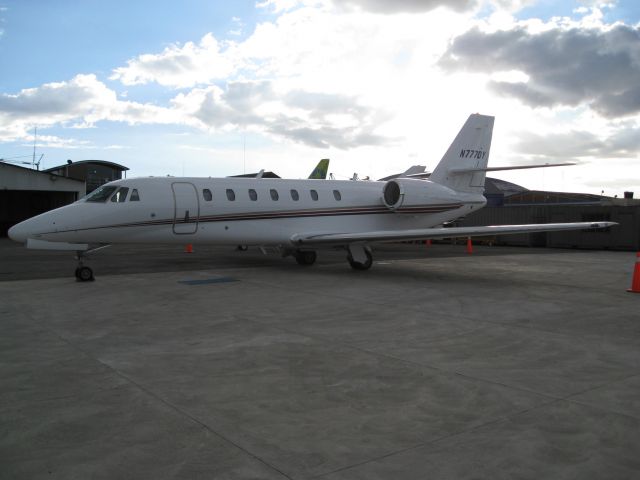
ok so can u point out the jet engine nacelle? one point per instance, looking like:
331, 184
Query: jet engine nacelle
404, 191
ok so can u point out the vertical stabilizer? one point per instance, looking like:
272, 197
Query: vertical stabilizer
469, 151
320, 172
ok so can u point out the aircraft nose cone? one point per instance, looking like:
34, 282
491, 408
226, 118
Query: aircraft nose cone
18, 233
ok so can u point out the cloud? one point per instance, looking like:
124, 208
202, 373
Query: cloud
622, 142
3, 9
53, 141
316, 119
565, 65
407, 6
60, 101
179, 66
394, 6
79, 102
312, 118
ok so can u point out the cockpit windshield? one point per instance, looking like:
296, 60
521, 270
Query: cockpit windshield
101, 194
120, 196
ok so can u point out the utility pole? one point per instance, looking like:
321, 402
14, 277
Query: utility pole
35, 136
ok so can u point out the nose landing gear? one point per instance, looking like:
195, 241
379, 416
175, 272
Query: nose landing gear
84, 273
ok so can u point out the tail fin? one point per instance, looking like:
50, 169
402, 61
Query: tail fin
320, 172
463, 166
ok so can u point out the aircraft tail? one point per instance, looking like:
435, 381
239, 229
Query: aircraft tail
320, 172
463, 167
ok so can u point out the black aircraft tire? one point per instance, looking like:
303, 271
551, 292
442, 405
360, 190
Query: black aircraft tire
361, 266
84, 274
307, 257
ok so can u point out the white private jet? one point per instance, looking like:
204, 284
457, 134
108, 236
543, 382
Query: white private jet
297, 216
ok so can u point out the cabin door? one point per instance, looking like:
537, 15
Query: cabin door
187, 208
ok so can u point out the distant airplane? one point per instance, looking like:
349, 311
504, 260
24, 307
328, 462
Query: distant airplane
297, 216
318, 173
415, 171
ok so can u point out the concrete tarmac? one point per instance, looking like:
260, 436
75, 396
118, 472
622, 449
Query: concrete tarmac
508, 363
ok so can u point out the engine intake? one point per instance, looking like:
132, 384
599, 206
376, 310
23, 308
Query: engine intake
392, 194
405, 194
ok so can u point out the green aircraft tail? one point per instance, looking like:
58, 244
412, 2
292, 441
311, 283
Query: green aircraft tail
320, 172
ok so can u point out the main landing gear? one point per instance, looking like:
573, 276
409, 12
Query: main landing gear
305, 257
359, 257
84, 274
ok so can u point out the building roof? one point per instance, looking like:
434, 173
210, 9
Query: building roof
537, 197
30, 171
115, 166
16, 177
497, 186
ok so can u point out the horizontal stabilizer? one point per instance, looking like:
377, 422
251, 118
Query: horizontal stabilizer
434, 233
496, 169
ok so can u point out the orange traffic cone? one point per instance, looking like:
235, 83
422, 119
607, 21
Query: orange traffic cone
635, 283
469, 245
188, 248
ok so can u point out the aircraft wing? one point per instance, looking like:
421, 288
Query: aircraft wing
434, 233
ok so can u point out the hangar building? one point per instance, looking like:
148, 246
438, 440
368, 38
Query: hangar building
510, 204
93, 172
25, 192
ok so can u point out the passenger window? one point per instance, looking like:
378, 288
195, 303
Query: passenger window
314, 195
120, 195
253, 195
135, 197
294, 195
231, 195
274, 194
206, 194
336, 195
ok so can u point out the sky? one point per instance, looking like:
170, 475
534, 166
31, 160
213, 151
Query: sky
217, 88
